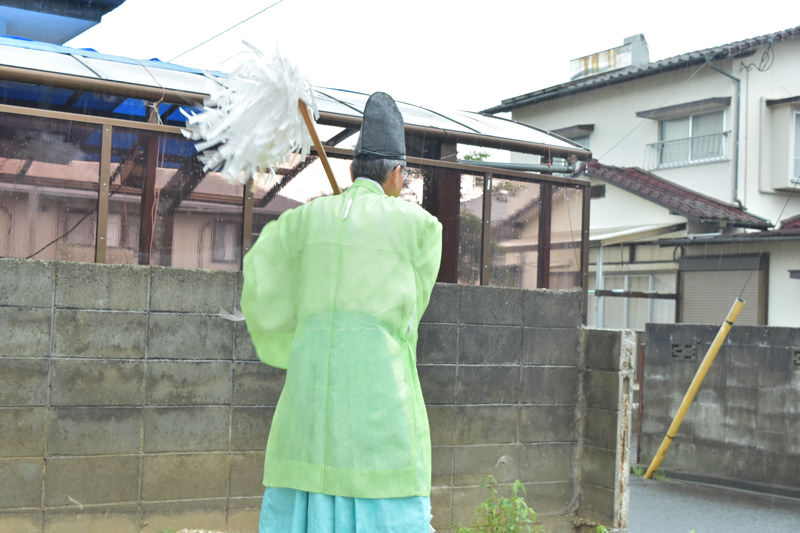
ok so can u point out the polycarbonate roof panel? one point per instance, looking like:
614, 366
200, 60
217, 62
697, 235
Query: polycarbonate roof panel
499, 127
153, 73
331, 105
13, 56
353, 102
419, 116
145, 73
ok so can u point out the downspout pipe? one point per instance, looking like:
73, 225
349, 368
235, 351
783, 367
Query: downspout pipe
738, 90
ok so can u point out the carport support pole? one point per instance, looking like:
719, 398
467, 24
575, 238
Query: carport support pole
696, 382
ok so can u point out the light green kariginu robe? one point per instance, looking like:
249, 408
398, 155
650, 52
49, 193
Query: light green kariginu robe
333, 292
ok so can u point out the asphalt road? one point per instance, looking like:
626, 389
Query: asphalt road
671, 506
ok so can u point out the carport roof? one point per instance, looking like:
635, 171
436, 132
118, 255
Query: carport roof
71, 79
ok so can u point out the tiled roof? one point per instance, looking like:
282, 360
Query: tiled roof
792, 223
742, 48
679, 200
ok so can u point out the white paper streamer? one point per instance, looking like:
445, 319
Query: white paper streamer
252, 124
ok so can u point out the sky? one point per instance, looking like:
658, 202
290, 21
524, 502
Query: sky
442, 54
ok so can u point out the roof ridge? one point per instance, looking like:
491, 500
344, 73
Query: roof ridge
622, 74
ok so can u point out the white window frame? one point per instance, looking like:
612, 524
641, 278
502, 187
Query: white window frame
690, 140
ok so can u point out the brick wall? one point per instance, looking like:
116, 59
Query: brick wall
128, 402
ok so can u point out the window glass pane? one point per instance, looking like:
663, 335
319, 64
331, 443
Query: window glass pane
675, 138
470, 220
164, 210
707, 124
49, 175
707, 135
565, 238
514, 233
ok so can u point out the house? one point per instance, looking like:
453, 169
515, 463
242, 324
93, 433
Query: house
696, 176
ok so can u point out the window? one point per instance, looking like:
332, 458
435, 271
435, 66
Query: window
692, 139
224, 237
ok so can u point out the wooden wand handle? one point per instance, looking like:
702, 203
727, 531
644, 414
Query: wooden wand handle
318, 145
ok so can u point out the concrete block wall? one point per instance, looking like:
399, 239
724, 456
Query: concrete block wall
129, 402
499, 371
607, 372
743, 428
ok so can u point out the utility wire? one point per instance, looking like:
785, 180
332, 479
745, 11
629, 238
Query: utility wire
225, 31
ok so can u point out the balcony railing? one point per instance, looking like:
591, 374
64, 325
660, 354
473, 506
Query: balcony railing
688, 151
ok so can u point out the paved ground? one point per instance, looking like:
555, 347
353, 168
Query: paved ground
679, 507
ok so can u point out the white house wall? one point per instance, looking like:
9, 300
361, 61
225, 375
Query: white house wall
605, 212
765, 133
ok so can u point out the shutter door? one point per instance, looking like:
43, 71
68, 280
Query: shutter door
707, 296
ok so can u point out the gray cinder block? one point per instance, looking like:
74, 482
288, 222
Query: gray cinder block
442, 420
602, 390
26, 332
100, 286
183, 429
94, 430
550, 346
442, 465
22, 432
549, 308
550, 499
488, 384
542, 385
437, 343
547, 462
490, 305
257, 384
23, 382
96, 382
489, 424
100, 334
26, 283
119, 518
438, 383
184, 476
598, 466
443, 305
190, 336
173, 289
188, 382
547, 423
247, 471
600, 429
250, 427
489, 344
22, 483
243, 349
91, 480
602, 349
473, 463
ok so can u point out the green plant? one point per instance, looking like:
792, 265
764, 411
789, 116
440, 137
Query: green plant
502, 515
637, 470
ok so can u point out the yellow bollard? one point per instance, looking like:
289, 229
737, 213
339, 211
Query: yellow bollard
688, 398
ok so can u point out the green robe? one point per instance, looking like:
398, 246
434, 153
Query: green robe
333, 292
